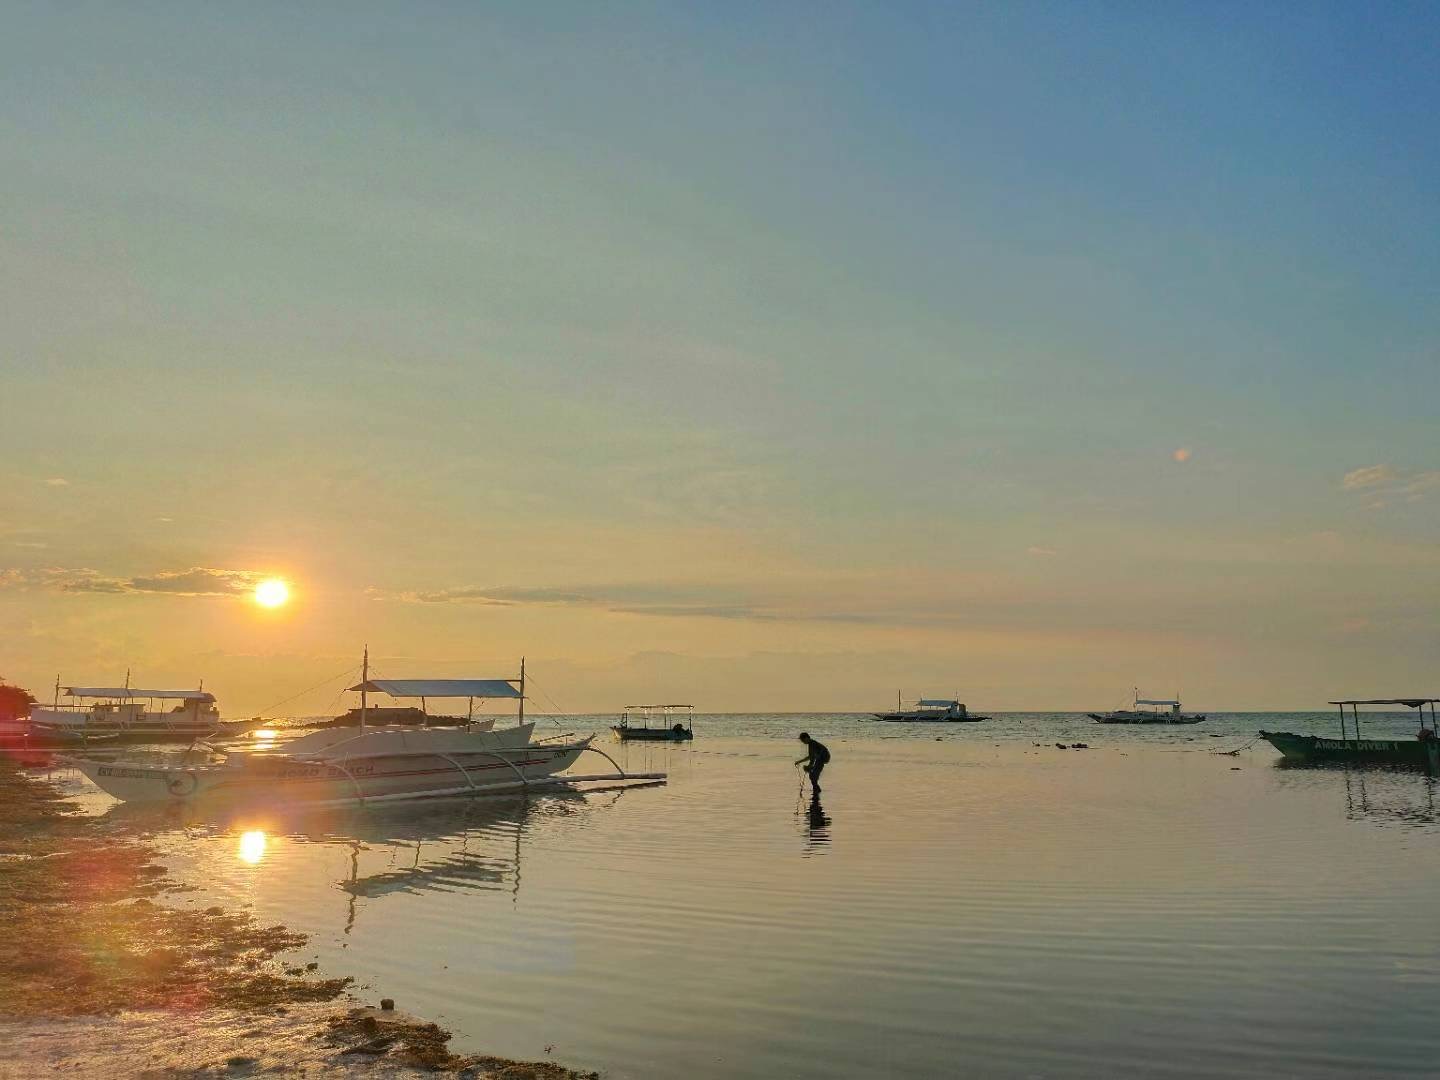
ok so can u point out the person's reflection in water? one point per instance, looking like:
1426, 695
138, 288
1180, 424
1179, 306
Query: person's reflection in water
817, 825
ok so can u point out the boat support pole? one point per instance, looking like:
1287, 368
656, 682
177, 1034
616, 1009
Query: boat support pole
607, 757
359, 795
470, 780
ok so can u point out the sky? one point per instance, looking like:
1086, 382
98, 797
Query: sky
764, 356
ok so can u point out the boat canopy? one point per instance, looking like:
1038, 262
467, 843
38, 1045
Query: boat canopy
1155, 701
441, 688
936, 704
132, 692
1412, 702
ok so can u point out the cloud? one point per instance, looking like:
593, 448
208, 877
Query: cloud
1369, 476
674, 601
501, 595
1045, 551
1182, 454
57, 481
196, 581
1385, 483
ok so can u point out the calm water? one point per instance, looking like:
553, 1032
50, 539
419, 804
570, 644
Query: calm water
974, 905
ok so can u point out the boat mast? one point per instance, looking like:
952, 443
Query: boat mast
364, 682
57, 691
522, 691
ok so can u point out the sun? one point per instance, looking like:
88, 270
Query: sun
272, 593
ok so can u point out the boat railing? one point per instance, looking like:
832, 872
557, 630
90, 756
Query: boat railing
663, 713
1353, 734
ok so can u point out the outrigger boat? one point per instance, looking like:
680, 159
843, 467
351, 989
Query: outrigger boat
1421, 752
930, 711
340, 766
1156, 711
410, 715
127, 714
664, 730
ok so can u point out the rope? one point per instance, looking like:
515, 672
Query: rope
1232, 753
530, 684
309, 690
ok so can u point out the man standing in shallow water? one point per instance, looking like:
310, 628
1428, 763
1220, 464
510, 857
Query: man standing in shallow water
814, 761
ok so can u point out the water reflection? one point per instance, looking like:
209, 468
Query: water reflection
251, 848
1227, 910
1390, 796
817, 827
444, 858
440, 846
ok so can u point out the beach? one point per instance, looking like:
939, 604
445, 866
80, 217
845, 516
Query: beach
971, 899
101, 977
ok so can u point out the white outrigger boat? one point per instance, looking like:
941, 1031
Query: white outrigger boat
343, 766
126, 714
1155, 711
930, 711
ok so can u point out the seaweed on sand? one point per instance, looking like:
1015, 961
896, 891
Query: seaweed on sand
83, 936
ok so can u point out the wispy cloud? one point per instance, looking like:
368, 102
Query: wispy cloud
1368, 476
1041, 551
686, 601
636, 599
1385, 484
57, 481
196, 581
503, 594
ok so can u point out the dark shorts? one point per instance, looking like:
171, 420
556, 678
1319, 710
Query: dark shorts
814, 771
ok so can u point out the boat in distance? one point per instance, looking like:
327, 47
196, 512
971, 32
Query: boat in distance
627, 730
1421, 752
344, 766
1148, 711
931, 711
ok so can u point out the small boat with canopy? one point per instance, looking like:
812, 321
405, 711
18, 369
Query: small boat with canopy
1420, 752
342, 766
1148, 711
655, 723
931, 711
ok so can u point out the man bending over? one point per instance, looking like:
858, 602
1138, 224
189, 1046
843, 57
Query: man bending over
814, 761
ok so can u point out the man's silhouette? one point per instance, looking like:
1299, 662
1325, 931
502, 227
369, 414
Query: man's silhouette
814, 761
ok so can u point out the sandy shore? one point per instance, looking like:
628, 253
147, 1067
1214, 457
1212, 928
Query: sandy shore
98, 979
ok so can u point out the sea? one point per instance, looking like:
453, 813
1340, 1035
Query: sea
1032, 896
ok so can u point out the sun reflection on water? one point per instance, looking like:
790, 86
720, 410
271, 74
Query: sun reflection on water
251, 848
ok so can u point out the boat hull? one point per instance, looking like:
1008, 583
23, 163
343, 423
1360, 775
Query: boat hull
52, 736
290, 780
906, 718
127, 724
1145, 718
631, 734
1318, 750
